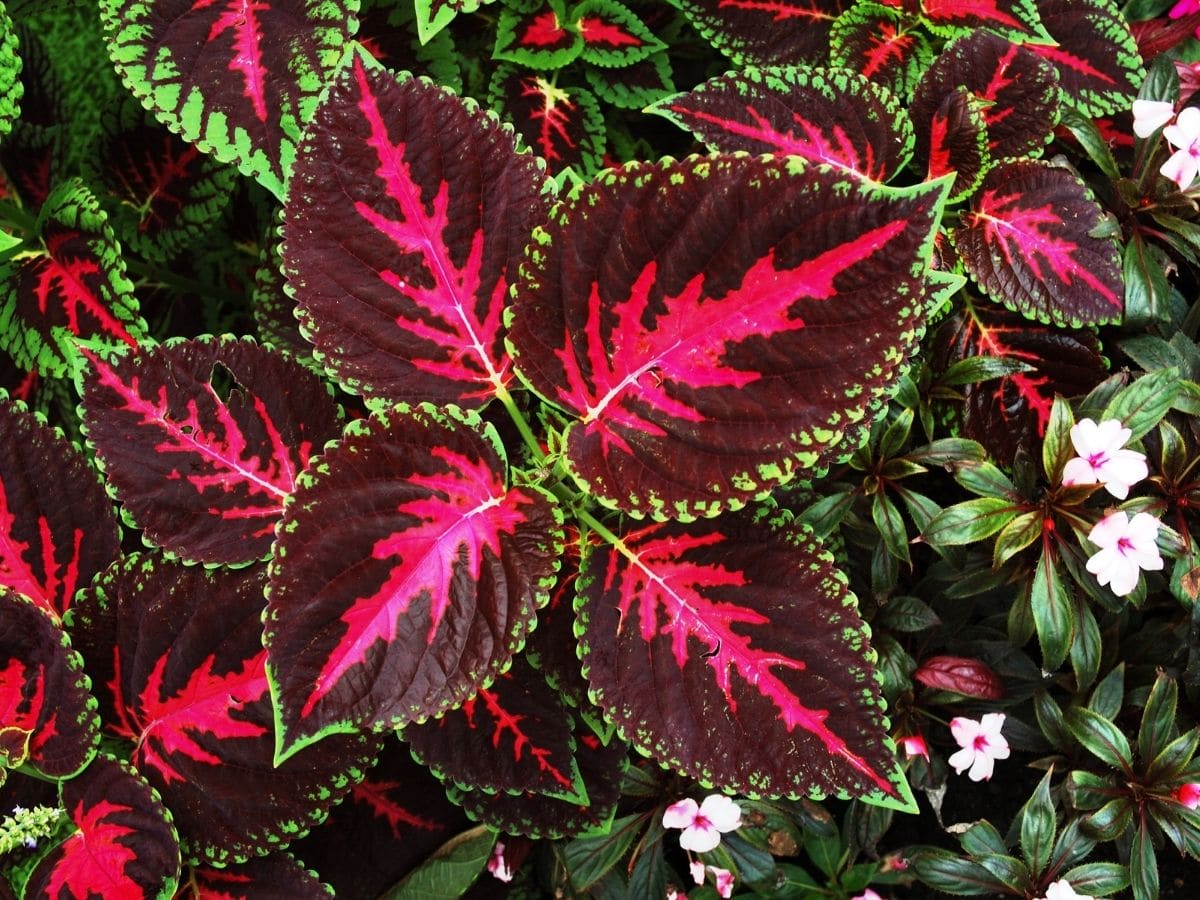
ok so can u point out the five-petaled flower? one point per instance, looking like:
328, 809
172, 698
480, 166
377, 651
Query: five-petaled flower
1103, 458
1151, 115
703, 824
497, 864
981, 743
1062, 890
1188, 794
1126, 547
1184, 135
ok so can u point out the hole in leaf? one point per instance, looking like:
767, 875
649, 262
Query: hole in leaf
223, 382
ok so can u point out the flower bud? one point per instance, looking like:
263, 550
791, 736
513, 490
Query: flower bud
960, 674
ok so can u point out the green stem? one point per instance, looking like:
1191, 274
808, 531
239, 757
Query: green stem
17, 217
505, 396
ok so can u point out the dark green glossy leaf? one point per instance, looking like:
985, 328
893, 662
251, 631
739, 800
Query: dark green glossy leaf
1038, 825
952, 874
1100, 737
1142, 404
1143, 865
1099, 879
1109, 695
450, 870
965, 523
1158, 717
1053, 613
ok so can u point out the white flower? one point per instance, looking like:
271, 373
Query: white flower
868, 894
981, 743
703, 825
1126, 547
1062, 890
497, 864
1184, 135
1103, 459
696, 867
1151, 115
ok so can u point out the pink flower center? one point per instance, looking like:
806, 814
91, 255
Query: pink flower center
980, 743
702, 822
1096, 460
1124, 545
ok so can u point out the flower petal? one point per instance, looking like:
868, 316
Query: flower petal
1078, 471
681, 814
981, 769
1108, 532
723, 813
961, 759
700, 837
1151, 115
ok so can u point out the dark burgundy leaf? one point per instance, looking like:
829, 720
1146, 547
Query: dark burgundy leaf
401, 266
1016, 18
1016, 89
1011, 412
736, 656
47, 713
512, 736
1156, 36
825, 115
766, 32
551, 647
406, 574
1030, 242
57, 526
885, 45
277, 875
960, 674
202, 441
562, 125
123, 846
236, 79
957, 141
177, 658
716, 325
635, 86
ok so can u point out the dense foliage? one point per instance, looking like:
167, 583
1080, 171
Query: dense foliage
614, 448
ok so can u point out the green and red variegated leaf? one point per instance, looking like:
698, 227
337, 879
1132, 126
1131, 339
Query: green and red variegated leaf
406, 573
390, 822
47, 714
401, 266
512, 736
1017, 19
239, 80
160, 192
542, 38
388, 31
635, 86
881, 44
123, 845
434, 15
274, 310
601, 766
1010, 413
1098, 64
766, 32
754, 641
613, 35
668, 309
551, 647
11, 88
202, 441
562, 125
1029, 243
73, 287
177, 659
957, 141
57, 526
1017, 91
276, 875
824, 115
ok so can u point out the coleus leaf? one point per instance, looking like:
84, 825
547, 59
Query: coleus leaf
406, 573
123, 844
824, 115
667, 308
434, 15
48, 716
72, 287
388, 31
1030, 241
202, 441
57, 526
11, 88
1013, 411
276, 875
562, 125
1098, 64
401, 267
957, 141
159, 191
1017, 19
1017, 92
613, 36
881, 44
634, 86
540, 39
237, 80
176, 654
766, 32
551, 647
735, 655
512, 736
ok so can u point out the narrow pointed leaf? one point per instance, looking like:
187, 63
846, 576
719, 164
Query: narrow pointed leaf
766, 32
682, 344
46, 709
57, 526
401, 267
737, 626
202, 441
123, 844
1053, 613
824, 115
239, 80
882, 44
178, 652
406, 573
1028, 242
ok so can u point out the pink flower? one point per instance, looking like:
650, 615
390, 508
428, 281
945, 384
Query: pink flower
914, 745
1062, 890
497, 866
703, 825
868, 894
1126, 547
1184, 8
1188, 794
723, 879
981, 743
1151, 115
1102, 458
1184, 135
